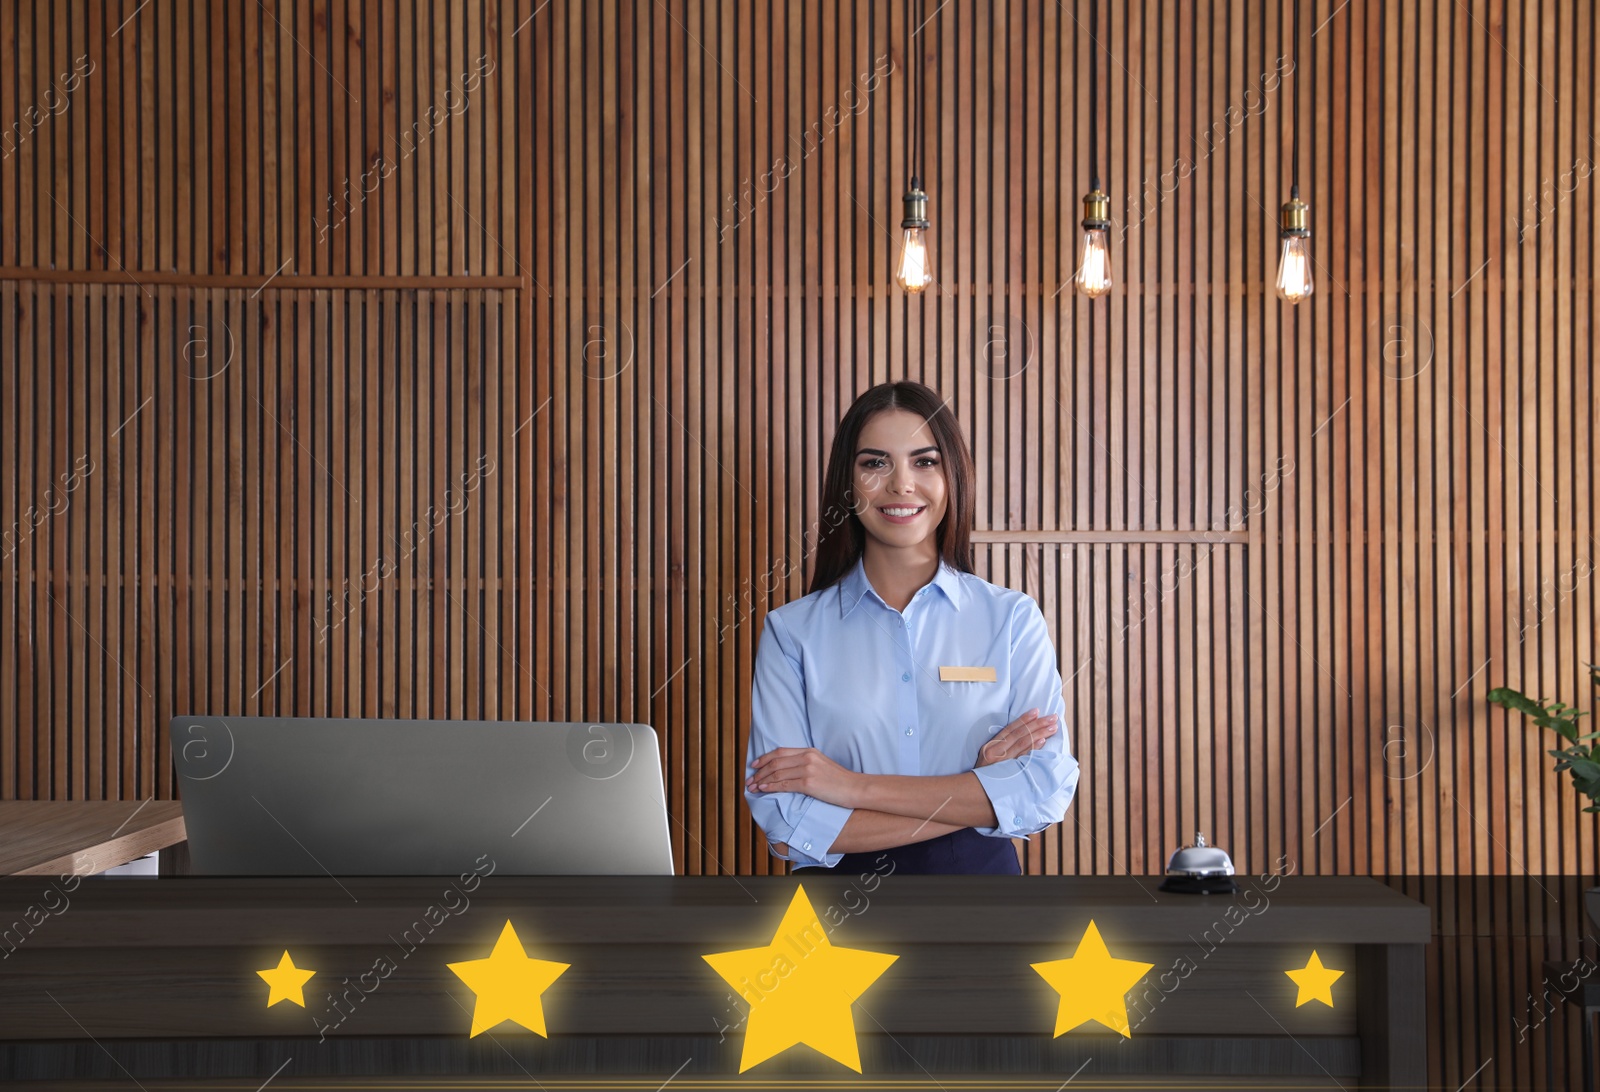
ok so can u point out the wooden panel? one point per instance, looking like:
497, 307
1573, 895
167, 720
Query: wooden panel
1284, 552
245, 519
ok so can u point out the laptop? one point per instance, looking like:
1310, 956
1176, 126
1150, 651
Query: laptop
311, 796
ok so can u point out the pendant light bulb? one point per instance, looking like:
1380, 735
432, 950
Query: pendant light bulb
1094, 250
915, 271
1294, 262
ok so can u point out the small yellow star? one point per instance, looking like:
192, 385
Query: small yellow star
286, 981
1093, 985
1315, 982
800, 988
508, 984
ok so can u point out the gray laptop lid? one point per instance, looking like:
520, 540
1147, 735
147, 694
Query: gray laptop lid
275, 796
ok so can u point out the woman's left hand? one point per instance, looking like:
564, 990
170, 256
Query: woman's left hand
806, 770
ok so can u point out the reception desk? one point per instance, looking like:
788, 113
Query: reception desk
155, 979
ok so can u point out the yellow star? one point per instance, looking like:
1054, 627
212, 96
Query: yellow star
1315, 982
1092, 985
508, 984
286, 981
800, 988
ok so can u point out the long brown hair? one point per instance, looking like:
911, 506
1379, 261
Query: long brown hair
842, 537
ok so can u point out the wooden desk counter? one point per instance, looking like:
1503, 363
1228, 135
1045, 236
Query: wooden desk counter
172, 961
61, 837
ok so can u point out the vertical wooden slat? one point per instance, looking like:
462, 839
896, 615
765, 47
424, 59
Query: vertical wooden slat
193, 189
434, 421
65, 633
1335, 452
465, 395
1586, 391
30, 87
22, 550
10, 90
239, 159
11, 611
335, 556
89, 495
402, 409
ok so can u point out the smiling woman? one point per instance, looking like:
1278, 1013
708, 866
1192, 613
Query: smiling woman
905, 709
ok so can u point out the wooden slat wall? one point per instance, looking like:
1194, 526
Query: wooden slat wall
587, 279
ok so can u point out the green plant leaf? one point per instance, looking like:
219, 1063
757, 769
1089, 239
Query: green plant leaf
1581, 762
1516, 702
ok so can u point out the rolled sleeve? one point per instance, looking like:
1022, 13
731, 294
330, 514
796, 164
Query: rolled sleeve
778, 719
1033, 790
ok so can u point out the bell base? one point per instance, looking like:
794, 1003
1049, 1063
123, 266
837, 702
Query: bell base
1200, 885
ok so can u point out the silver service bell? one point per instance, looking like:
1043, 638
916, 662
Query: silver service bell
1200, 869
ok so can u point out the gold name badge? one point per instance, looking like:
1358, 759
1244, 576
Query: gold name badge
967, 674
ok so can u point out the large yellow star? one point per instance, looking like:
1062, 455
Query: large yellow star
508, 984
800, 988
286, 981
1092, 985
1315, 981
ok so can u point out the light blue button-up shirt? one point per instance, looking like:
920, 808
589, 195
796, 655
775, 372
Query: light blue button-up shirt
842, 671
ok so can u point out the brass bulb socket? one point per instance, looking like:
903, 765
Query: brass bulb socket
916, 209
1096, 210
1296, 217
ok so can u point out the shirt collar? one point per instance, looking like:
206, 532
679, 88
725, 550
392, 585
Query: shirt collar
855, 585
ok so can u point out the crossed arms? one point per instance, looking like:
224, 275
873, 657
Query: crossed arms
889, 810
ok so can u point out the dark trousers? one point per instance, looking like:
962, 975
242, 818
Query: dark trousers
961, 852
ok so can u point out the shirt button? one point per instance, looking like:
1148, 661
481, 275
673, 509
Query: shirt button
806, 846
905, 676
909, 731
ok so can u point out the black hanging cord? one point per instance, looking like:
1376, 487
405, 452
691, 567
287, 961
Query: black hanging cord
1294, 177
1094, 94
913, 94
906, 136
916, 135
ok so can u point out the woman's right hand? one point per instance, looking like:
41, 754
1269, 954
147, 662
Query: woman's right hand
1027, 733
